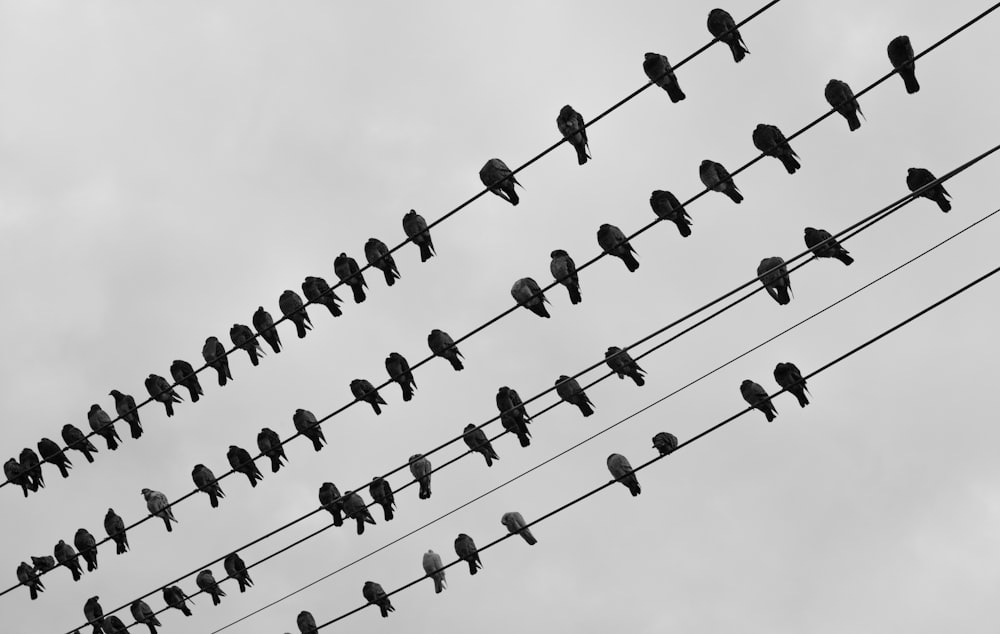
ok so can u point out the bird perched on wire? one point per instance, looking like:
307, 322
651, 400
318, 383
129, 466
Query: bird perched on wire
378, 255
571, 126
86, 545
214, 354
716, 178
114, 625
318, 291
237, 569
613, 242
144, 614
306, 622
264, 324
158, 505
94, 614
184, 375
526, 292
756, 396
127, 411
101, 424
771, 142
15, 475
917, 177
27, 576
50, 452
563, 269
515, 524
159, 390
722, 26
114, 526
621, 470
498, 178
659, 71
570, 391
349, 272
788, 377
622, 364
355, 508
513, 416
666, 206
31, 467
175, 598
442, 345
415, 228
206, 581
466, 549
381, 493
373, 593
774, 276
74, 438
399, 371
269, 444
43, 563
332, 501
206, 481
433, 568
67, 558
364, 391
420, 468
292, 307
901, 57
243, 338
476, 440
824, 245
841, 98
241, 462
306, 424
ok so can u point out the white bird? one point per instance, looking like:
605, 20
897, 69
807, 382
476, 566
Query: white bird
433, 567
158, 505
515, 523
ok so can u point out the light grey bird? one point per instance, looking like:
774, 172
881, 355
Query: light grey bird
237, 569
774, 276
442, 345
665, 443
264, 324
158, 505
433, 568
476, 440
841, 98
659, 71
101, 424
466, 549
756, 396
86, 545
364, 391
399, 371
68, 558
526, 292
571, 126
159, 390
184, 375
242, 462
50, 452
74, 438
306, 622
373, 593
332, 501
382, 494
563, 269
622, 364
294, 309
666, 206
356, 509
771, 142
114, 526
349, 272
127, 410
498, 178
318, 291
114, 625
94, 614
175, 598
205, 480
570, 391
206, 582
716, 178
790, 378
144, 614
513, 416
377, 254
31, 467
722, 26
613, 241
27, 577
824, 245
244, 339
515, 524
420, 467
307, 425
901, 57
621, 470
415, 228
269, 444
917, 177
214, 354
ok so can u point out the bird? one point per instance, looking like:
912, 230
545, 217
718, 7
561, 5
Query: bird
114, 526
515, 524
399, 371
349, 272
86, 545
67, 558
207, 583
356, 509
498, 178
31, 467
27, 576
331, 500
756, 396
420, 467
373, 593
442, 345
264, 324
917, 177
237, 569
50, 452
114, 625
666, 206
664, 442
513, 416
658, 69
15, 475
841, 98
214, 354
771, 142
159, 390
381, 492
206, 481
526, 292
476, 440
722, 26
901, 57
144, 614
94, 614
621, 470
377, 254
570, 391
716, 178
74, 438
241, 462
563, 269
307, 425
175, 598
269, 444
466, 549
43, 563
790, 378
127, 411
571, 126
101, 424
613, 241
363, 390
243, 338
433, 568
318, 291
773, 275
157, 505
824, 245
622, 364
415, 228
184, 375
306, 622
292, 307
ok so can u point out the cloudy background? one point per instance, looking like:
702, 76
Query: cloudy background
166, 168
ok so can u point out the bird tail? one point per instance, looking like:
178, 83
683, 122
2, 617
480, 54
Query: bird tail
739, 52
675, 92
387, 512
76, 572
528, 537
425, 252
585, 408
910, 80
456, 362
635, 376
512, 195
472, 567
791, 165
134, 428
438, 584
770, 414
223, 371
845, 258
581, 154
300, 327
852, 121
800, 394
407, 391
574, 294
33, 592
733, 193
943, 203
630, 262
359, 293
782, 295
539, 309
121, 547
683, 226
275, 463
185, 610
390, 279
633, 487
170, 411
317, 444
62, 469
425, 490
378, 410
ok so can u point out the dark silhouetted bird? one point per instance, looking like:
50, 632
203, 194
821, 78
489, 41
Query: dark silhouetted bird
498, 178
86, 545
722, 26
144, 614
363, 390
355, 508
237, 569
563, 269
206, 581
377, 254
318, 291
571, 126
101, 424
214, 354
789, 378
31, 467
114, 526
433, 568
757, 398
466, 549
126, 409
114, 625
442, 345
27, 576
420, 467
158, 505
269, 444
95, 614
13, 472
526, 292
824, 245
74, 438
50, 452
666, 206
664, 442
614, 242
43, 563
901, 57
306, 622
475, 438
264, 324
159, 390
349, 272
513, 416
917, 177
307, 425
241, 462
659, 71
515, 524
841, 98
399, 371
622, 364
776, 282
331, 500
175, 598
244, 339
771, 142
184, 376
67, 557
570, 391
716, 178
292, 307
415, 228
621, 470
205, 480
373, 593
381, 492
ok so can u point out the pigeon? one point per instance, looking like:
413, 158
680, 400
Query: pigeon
356, 509
563, 269
264, 324
74, 438
622, 364
114, 625
86, 545
771, 142
513, 416
621, 470
306, 622
399, 371
349, 272
363, 390
722, 26
101, 424
184, 375
144, 614
243, 338
570, 391
127, 411
318, 291
498, 178
43, 563
526, 292
475, 438
160, 390
757, 398
307, 425
789, 378
442, 345
381, 492
214, 354
330, 499
660, 73
373, 593
666, 206
206, 481
515, 524
465, 548
15, 475
292, 307
50, 452
237, 569
270, 445
31, 467
174, 597
27, 576
571, 126
716, 178
824, 245
841, 98
66, 556
420, 467
415, 228
776, 282
917, 177
664, 442
95, 614
377, 254
114, 526
241, 462
207, 583
433, 568
613, 241
901, 57
157, 504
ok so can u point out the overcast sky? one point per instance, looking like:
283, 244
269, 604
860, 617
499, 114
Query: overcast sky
166, 168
